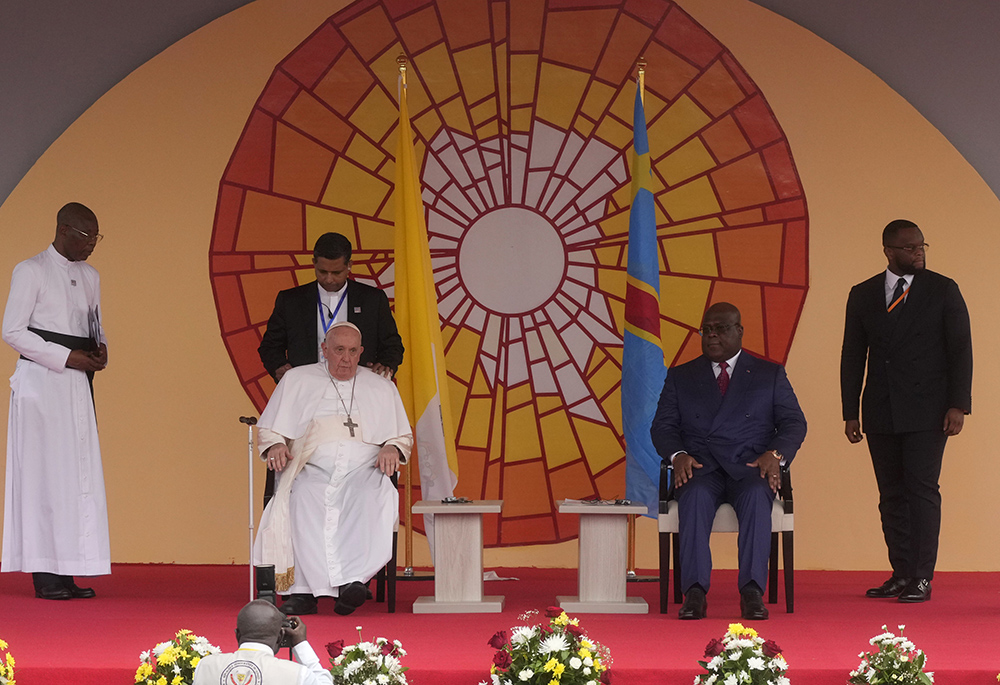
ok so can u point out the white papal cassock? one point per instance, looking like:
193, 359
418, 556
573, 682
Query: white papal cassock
331, 518
55, 512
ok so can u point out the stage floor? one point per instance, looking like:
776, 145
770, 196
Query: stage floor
99, 640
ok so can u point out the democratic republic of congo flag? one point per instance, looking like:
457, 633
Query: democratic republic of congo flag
643, 369
422, 379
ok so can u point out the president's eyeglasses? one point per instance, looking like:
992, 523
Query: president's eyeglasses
718, 329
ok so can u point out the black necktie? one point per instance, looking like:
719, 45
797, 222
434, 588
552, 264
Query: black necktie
896, 301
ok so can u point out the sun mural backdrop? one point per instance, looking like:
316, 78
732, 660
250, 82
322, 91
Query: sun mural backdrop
522, 111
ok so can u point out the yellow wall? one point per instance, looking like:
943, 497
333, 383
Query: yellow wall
148, 157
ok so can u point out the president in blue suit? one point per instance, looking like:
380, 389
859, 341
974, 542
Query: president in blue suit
727, 421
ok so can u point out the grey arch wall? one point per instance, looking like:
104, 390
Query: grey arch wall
58, 57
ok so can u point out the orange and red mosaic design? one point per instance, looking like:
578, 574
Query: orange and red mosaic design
522, 112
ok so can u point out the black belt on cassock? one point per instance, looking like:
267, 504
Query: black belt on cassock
71, 342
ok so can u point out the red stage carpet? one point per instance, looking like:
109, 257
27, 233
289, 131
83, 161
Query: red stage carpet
98, 641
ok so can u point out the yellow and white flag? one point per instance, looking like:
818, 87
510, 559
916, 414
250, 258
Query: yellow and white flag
422, 379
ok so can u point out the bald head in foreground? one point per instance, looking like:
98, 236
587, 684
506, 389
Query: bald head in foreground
260, 631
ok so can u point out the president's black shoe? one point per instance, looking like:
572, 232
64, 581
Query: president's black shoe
752, 603
299, 605
890, 588
77, 592
350, 597
918, 590
695, 605
53, 592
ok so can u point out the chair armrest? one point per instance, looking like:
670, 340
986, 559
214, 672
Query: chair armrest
666, 485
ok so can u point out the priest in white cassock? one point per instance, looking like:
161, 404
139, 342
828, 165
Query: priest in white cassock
334, 433
55, 512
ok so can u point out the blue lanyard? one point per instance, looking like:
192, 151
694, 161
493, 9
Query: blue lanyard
319, 304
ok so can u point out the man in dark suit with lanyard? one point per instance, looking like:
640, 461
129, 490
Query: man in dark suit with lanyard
302, 315
911, 326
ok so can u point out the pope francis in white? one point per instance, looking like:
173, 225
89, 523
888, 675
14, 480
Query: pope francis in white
334, 433
55, 513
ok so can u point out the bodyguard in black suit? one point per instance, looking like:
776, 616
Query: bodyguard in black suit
911, 326
292, 337
293, 334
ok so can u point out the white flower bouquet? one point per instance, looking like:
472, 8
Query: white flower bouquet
742, 657
367, 663
897, 661
558, 651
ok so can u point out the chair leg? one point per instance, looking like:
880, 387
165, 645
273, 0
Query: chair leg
391, 574
380, 584
676, 543
772, 572
788, 552
664, 571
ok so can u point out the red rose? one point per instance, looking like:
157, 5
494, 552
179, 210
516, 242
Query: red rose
502, 660
498, 640
335, 649
714, 648
606, 678
575, 631
553, 612
771, 649
387, 649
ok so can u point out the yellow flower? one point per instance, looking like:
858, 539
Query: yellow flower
493, 668
550, 664
574, 622
177, 680
144, 670
169, 655
161, 681
584, 652
598, 666
561, 620
586, 643
558, 670
738, 629
195, 659
554, 681
3, 645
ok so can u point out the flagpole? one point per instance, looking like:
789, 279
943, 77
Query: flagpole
407, 477
630, 566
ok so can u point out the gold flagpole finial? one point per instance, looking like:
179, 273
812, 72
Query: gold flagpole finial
641, 65
401, 61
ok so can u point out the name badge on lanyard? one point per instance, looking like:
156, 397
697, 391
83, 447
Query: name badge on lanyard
333, 317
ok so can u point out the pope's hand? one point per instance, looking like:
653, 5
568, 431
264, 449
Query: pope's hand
388, 460
277, 456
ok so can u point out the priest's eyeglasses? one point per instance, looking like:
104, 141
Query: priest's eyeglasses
718, 329
910, 249
96, 237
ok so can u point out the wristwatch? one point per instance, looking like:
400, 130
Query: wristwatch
777, 455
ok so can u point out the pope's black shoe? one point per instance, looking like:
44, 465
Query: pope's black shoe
695, 605
890, 588
53, 592
918, 590
350, 597
299, 605
77, 592
752, 603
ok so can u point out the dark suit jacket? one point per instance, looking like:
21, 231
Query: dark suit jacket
291, 332
919, 363
758, 413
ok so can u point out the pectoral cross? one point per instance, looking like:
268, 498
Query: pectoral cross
351, 425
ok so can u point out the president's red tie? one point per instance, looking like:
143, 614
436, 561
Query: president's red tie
723, 378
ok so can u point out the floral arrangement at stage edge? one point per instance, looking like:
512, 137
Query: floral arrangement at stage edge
173, 663
376, 661
556, 653
742, 656
6, 665
897, 660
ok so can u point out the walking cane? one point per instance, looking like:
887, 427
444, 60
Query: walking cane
250, 421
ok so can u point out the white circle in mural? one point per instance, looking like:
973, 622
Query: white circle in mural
512, 260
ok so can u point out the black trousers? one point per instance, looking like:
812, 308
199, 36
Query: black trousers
907, 470
42, 580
